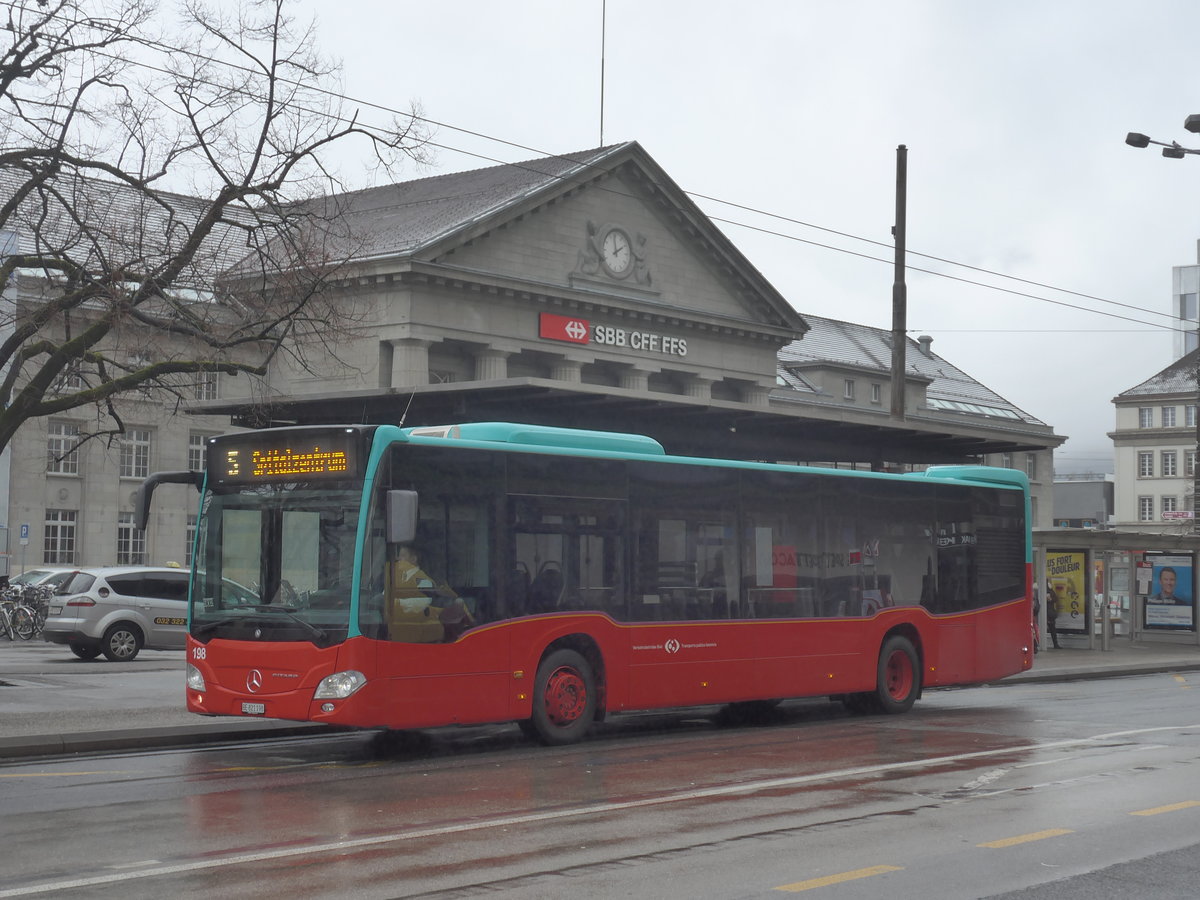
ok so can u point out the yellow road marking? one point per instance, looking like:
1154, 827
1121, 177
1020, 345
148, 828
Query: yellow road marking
1186, 804
1180, 679
1026, 838
837, 879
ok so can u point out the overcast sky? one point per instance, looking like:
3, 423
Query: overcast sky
1014, 115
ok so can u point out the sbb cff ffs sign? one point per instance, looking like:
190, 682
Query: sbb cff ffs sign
580, 331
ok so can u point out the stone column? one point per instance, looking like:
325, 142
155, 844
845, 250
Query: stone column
700, 388
491, 365
635, 379
410, 362
566, 370
756, 395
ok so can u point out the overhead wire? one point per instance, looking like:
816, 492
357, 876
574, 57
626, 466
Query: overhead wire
340, 96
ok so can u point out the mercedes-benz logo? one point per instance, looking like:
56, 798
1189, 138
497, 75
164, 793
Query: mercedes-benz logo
254, 681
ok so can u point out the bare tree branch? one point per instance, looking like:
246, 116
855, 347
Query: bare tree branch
160, 191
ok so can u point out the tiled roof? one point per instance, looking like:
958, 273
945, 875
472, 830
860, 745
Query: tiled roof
124, 229
861, 346
1177, 378
402, 218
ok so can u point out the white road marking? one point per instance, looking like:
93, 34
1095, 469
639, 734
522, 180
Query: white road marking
751, 787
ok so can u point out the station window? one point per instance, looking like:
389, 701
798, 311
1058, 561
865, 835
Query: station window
1169, 463
59, 536
62, 453
131, 541
135, 453
1145, 464
1145, 509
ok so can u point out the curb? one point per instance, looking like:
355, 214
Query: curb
1088, 672
158, 738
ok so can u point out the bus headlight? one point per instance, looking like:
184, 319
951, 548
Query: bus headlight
339, 685
195, 680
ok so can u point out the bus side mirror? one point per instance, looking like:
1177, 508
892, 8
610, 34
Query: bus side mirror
401, 516
141, 499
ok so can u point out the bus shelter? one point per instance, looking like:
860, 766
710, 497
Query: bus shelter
1114, 585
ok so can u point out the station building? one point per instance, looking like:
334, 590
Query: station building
585, 290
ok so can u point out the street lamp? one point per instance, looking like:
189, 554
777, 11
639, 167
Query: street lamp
1174, 151
1171, 150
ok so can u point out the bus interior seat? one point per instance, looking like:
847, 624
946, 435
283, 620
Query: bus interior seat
517, 595
678, 587
546, 589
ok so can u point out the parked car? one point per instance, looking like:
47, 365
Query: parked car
119, 610
49, 577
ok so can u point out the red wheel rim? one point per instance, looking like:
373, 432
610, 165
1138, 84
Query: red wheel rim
899, 675
566, 696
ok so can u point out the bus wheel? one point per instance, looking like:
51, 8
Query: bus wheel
564, 699
898, 675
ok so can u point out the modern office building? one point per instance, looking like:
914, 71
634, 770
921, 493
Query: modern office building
1084, 500
1185, 291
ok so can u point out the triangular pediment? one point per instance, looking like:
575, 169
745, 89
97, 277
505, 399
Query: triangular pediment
607, 227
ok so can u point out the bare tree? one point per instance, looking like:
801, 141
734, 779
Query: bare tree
164, 208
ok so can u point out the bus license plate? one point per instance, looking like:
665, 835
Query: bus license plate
254, 709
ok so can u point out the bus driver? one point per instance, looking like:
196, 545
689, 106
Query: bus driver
418, 609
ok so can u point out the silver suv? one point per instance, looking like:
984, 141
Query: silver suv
119, 610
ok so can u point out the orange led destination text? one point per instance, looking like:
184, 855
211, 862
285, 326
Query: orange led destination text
266, 464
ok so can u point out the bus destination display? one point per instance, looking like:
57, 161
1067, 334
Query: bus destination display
284, 457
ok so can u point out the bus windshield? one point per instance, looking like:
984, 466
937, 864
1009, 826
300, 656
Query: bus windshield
277, 559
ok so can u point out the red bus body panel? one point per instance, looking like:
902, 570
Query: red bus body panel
487, 674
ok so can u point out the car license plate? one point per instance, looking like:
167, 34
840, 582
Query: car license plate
254, 709
55, 610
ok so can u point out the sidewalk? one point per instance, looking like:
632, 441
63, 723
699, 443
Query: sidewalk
1075, 661
51, 704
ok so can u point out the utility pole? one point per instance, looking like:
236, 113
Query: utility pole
899, 288
603, 42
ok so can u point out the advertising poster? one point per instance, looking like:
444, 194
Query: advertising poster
1067, 584
1170, 604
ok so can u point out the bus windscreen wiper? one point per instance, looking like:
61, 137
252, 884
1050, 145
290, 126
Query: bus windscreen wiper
205, 627
317, 634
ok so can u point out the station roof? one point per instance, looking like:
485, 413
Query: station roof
792, 432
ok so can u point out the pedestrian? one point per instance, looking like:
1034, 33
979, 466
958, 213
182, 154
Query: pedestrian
1052, 606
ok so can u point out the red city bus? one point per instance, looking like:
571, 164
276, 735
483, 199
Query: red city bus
416, 577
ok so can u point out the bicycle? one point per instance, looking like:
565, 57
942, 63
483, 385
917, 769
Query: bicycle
37, 600
16, 620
